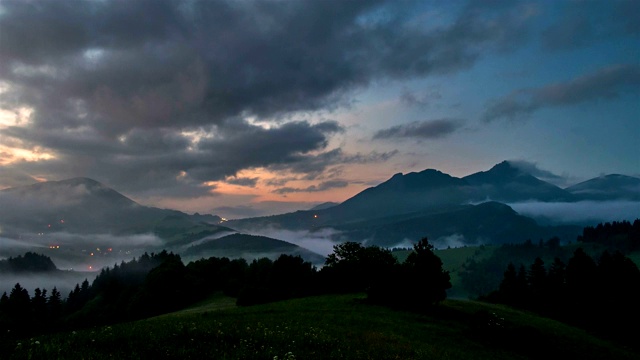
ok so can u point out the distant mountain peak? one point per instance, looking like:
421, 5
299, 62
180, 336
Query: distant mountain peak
607, 187
505, 168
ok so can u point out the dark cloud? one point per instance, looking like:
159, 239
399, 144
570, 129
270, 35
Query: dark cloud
203, 61
314, 167
11, 177
323, 186
427, 129
582, 23
419, 99
242, 181
116, 87
604, 84
177, 165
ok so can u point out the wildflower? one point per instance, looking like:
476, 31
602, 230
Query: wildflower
37, 342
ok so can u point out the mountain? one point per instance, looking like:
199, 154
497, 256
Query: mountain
486, 223
324, 205
434, 204
250, 246
608, 187
427, 189
506, 183
80, 206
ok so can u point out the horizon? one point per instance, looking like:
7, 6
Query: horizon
252, 109
517, 206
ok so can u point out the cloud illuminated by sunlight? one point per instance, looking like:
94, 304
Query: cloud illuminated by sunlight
9, 155
15, 117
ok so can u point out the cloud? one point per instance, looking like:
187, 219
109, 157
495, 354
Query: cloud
13, 177
581, 212
176, 164
533, 169
323, 186
138, 103
421, 100
242, 181
428, 129
604, 84
583, 23
314, 166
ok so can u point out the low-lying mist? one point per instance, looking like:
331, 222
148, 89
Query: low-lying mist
77, 256
320, 241
63, 281
582, 212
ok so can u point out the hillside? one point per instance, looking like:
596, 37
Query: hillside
336, 327
249, 246
486, 223
79, 206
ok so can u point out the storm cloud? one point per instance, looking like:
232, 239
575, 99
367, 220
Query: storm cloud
169, 104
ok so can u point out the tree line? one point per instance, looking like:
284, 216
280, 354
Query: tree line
599, 294
620, 235
29, 262
159, 283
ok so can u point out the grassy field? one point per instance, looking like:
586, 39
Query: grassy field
326, 327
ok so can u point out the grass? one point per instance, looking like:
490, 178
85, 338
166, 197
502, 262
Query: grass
326, 327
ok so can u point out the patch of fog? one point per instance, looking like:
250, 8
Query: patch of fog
248, 256
404, 244
453, 241
82, 252
110, 240
63, 281
580, 212
11, 244
210, 237
320, 241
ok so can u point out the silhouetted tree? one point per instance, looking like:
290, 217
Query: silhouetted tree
428, 281
537, 281
354, 268
556, 292
581, 275
18, 308
166, 288
54, 306
39, 305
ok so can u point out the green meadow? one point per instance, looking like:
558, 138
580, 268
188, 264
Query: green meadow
325, 327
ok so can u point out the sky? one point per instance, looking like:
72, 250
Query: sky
248, 108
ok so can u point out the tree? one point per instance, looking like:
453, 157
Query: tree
512, 290
19, 308
354, 268
54, 306
39, 305
556, 287
537, 281
427, 280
